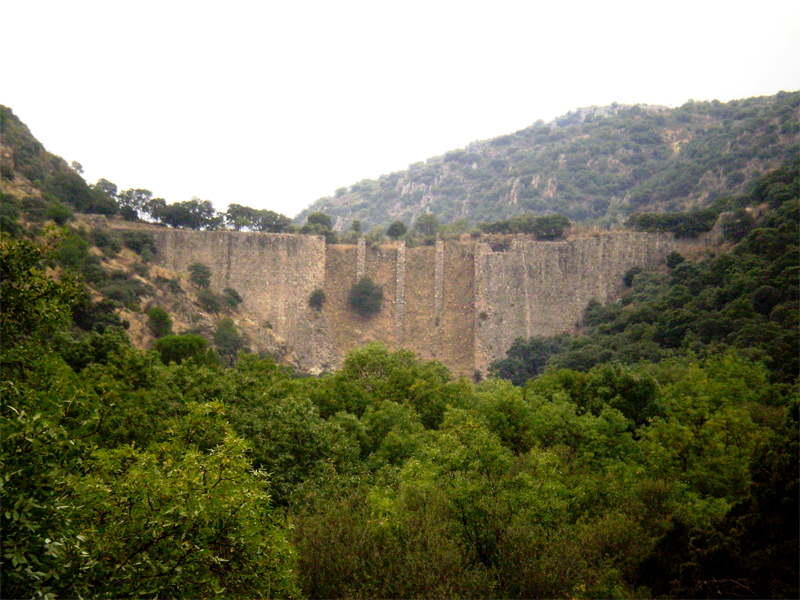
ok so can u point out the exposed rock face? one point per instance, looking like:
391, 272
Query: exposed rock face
459, 302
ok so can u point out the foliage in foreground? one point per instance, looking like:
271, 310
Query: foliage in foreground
164, 473
747, 299
86, 510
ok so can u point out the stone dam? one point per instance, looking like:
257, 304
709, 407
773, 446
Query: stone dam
457, 301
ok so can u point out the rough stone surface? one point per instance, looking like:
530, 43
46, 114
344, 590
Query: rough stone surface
542, 288
458, 302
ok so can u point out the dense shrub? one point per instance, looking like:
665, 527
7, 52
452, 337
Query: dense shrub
366, 297
231, 298
674, 259
228, 340
548, 227
139, 241
426, 225
178, 348
7, 171
9, 215
209, 301
683, 225
73, 251
317, 299
396, 230
159, 322
70, 188
200, 275
142, 269
173, 285
59, 213
110, 242
319, 223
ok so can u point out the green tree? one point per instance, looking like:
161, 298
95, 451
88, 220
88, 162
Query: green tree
228, 340
321, 219
209, 301
9, 215
200, 275
365, 297
271, 222
33, 304
396, 230
108, 188
243, 217
317, 299
550, 227
159, 322
178, 348
191, 214
426, 225
177, 521
70, 188
239, 217
44, 418
231, 298
133, 202
318, 223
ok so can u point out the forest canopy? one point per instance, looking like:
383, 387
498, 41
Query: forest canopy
653, 454
656, 459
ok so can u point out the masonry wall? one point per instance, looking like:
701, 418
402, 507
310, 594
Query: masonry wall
542, 288
458, 302
274, 273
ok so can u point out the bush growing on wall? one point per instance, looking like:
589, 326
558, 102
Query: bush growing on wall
317, 299
365, 297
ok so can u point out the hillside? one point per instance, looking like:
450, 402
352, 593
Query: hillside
127, 275
649, 452
596, 164
177, 474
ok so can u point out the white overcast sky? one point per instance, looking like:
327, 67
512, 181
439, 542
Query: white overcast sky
273, 104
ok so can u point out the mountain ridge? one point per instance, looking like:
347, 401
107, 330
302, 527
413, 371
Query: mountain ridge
596, 164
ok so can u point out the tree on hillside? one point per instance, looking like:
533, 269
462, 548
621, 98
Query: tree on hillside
109, 188
550, 227
240, 217
200, 275
426, 225
178, 348
396, 230
319, 223
272, 222
191, 214
71, 189
228, 340
159, 322
321, 219
133, 202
